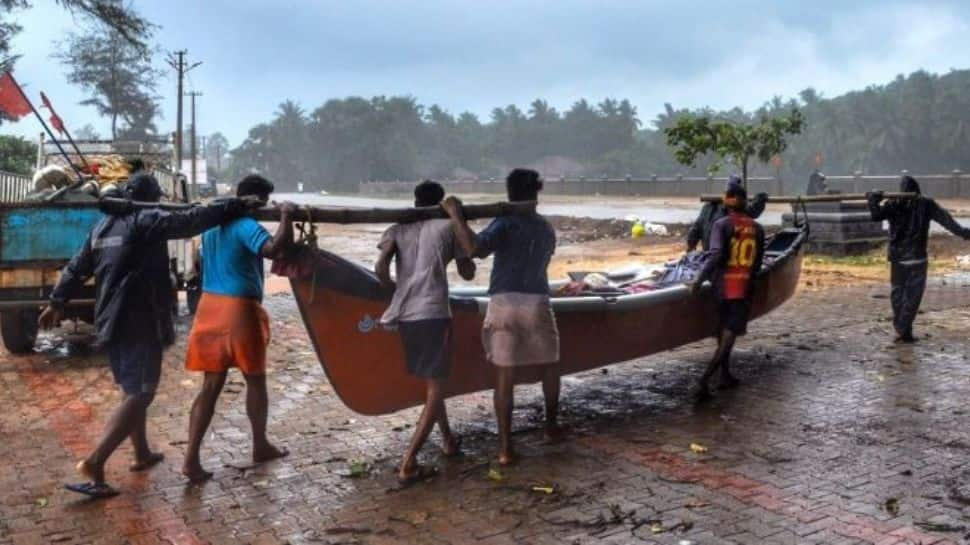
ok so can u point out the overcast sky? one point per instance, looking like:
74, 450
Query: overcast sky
475, 55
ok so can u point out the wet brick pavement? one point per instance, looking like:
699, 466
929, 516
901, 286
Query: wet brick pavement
836, 437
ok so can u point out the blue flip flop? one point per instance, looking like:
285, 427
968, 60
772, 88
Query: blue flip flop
93, 490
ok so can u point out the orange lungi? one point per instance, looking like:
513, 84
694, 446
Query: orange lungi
228, 332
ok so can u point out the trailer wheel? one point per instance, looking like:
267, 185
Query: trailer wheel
19, 330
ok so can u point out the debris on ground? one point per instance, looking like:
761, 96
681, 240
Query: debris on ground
698, 448
939, 527
892, 506
356, 469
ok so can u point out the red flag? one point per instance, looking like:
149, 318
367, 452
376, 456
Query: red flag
12, 100
56, 121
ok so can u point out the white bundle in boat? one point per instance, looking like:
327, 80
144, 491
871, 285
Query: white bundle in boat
51, 177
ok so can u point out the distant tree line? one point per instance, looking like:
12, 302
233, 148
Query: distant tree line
920, 123
348, 140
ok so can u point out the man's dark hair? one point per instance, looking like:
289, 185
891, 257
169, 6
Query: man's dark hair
908, 184
143, 187
254, 184
735, 197
736, 191
523, 184
135, 164
428, 193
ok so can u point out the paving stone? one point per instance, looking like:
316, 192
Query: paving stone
808, 450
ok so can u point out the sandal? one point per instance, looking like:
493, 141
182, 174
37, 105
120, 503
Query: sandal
93, 490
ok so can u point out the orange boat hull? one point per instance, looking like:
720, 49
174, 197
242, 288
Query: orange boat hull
365, 362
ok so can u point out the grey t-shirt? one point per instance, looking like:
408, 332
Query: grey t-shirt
424, 250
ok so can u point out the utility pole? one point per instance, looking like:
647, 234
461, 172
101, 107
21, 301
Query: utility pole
205, 155
193, 145
177, 61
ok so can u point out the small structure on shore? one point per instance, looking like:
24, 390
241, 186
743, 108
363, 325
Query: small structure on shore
837, 228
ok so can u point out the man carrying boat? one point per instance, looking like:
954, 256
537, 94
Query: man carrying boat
735, 256
520, 328
700, 230
127, 254
231, 329
421, 311
909, 229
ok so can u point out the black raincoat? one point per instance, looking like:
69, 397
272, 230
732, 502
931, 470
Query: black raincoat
909, 231
909, 222
127, 255
700, 230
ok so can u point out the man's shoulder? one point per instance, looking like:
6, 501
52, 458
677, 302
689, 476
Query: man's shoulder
244, 226
547, 225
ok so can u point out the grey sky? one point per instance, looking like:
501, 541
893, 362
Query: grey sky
478, 55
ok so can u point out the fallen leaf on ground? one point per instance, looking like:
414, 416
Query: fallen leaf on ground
696, 504
42, 502
657, 528
495, 475
698, 448
355, 470
544, 489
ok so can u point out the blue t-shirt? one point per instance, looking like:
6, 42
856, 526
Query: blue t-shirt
231, 264
523, 246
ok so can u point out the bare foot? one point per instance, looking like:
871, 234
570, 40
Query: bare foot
148, 462
702, 394
728, 382
506, 458
451, 447
554, 433
268, 452
415, 474
90, 471
195, 473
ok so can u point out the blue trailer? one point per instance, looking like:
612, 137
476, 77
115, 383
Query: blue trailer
37, 239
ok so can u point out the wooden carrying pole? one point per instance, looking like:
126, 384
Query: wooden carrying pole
834, 197
315, 214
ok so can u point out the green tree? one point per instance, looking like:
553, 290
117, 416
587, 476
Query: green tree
117, 75
17, 155
692, 137
87, 132
119, 18
216, 152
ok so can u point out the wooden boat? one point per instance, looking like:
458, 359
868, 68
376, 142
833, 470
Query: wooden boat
341, 304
